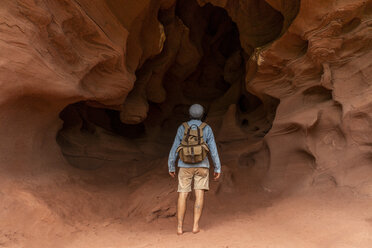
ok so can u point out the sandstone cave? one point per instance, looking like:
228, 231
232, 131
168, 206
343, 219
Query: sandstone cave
165, 88
92, 93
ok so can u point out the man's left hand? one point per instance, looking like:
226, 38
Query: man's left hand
172, 174
216, 176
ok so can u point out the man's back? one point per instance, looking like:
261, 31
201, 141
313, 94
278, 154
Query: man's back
209, 140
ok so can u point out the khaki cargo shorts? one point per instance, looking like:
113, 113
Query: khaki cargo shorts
200, 175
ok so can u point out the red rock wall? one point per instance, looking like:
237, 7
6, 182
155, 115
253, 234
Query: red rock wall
320, 70
315, 63
54, 53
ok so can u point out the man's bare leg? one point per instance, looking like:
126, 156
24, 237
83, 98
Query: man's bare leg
198, 208
181, 209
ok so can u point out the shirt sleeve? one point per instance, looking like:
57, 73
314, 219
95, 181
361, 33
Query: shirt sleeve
173, 152
212, 148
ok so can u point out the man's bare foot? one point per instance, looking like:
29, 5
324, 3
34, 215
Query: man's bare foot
195, 229
179, 230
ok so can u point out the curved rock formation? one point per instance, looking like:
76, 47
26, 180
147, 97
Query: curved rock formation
314, 70
55, 53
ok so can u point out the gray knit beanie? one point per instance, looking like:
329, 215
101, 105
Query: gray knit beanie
196, 111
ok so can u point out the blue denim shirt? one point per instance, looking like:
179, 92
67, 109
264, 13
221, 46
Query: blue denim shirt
208, 138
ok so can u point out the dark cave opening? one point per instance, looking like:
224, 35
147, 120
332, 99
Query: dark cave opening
202, 62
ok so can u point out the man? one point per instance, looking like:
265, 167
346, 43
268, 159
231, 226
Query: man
197, 171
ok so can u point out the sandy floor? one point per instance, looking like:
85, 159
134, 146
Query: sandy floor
334, 219
72, 215
322, 220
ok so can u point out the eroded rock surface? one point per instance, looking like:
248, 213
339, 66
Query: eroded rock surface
320, 72
54, 53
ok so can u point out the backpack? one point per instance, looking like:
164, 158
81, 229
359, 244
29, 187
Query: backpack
193, 149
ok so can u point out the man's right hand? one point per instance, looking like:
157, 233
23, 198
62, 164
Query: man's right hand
172, 174
216, 176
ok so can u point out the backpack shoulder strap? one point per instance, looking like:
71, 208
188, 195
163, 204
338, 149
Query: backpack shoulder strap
200, 130
185, 125
203, 125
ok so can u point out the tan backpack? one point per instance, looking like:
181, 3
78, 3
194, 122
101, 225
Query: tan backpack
193, 149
